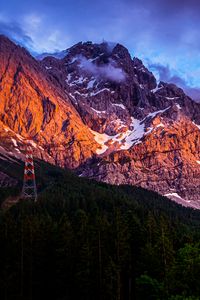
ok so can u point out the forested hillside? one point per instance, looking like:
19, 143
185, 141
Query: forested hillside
86, 240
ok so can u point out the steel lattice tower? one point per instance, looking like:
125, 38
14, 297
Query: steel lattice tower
29, 190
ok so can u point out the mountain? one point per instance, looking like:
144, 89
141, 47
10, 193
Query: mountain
100, 112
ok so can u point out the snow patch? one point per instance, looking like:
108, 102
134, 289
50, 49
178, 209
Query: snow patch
160, 125
135, 135
155, 113
91, 83
157, 89
178, 106
98, 111
74, 59
78, 81
100, 91
119, 105
19, 137
101, 138
125, 139
69, 76
173, 195
198, 126
81, 94
14, 142
71, 95
171, 98
33, 144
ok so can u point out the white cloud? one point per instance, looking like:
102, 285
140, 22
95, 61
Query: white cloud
107, 71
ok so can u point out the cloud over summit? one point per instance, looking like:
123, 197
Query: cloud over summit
107, 71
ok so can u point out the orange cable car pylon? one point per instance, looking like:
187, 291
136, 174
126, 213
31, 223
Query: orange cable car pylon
29, 190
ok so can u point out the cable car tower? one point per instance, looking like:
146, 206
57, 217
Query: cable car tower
29, 190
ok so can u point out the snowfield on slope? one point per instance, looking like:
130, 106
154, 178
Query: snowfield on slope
129, 138
125, 139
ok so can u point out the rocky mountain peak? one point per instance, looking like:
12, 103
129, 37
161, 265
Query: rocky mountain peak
144, 76
98, 110
169, 90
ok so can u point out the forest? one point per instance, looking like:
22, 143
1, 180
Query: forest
87, 240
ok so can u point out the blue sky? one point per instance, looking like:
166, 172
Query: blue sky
164, 34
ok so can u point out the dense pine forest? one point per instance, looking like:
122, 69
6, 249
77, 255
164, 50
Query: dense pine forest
87, 240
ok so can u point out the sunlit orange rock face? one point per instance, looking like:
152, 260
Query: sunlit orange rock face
100, 112
32, 105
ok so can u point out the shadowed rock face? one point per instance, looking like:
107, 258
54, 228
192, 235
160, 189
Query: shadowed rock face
98, 110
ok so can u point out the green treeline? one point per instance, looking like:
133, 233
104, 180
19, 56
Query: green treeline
86, 240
